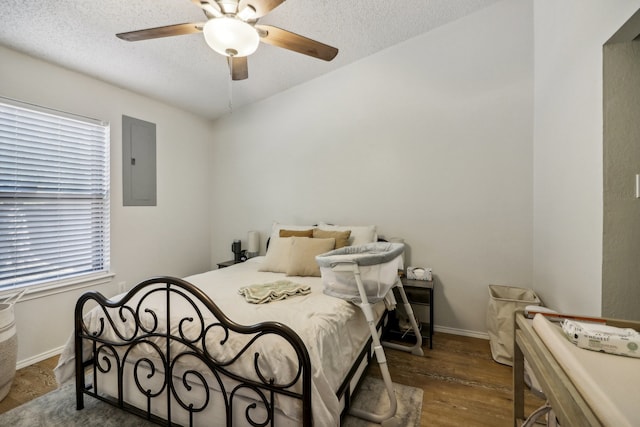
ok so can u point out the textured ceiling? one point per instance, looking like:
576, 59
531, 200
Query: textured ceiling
183, 70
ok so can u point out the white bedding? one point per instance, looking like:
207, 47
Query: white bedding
333, 330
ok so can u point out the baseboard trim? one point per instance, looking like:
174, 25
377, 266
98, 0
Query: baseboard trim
463, 332
38, 358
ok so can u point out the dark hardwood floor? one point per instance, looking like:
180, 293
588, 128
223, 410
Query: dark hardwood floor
29, 383
462, 384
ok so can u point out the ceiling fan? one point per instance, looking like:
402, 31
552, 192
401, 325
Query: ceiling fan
231, 30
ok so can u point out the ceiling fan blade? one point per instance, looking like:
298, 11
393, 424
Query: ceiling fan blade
238, 67
286, 39
158, 32
261, 7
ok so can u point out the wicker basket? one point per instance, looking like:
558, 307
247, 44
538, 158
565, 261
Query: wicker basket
8, 348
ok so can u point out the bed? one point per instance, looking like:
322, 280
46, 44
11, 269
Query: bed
224, 361
583, 387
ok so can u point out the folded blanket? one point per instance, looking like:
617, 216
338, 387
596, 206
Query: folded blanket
264, 293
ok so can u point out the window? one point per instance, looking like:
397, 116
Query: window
54, 196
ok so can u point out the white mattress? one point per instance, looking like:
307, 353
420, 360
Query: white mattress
333, 330
610, 384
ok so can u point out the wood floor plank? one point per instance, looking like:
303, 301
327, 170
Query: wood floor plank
29, 383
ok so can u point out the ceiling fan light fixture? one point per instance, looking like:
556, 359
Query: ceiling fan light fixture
230, 36
248, 12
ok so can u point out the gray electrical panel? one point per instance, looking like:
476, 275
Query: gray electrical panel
138, 162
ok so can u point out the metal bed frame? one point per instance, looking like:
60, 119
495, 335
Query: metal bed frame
110, 355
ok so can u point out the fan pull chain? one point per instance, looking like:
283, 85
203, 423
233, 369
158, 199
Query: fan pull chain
230, 105
230, 95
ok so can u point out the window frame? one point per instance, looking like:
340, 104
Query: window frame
84, 279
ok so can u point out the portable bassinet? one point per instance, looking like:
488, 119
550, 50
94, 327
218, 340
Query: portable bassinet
365, 275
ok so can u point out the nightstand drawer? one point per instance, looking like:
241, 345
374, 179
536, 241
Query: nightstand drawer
226, 264
417, 295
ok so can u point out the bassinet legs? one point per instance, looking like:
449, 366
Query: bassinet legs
365, 306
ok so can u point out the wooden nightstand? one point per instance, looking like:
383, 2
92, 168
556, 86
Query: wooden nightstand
420, 296
226, 263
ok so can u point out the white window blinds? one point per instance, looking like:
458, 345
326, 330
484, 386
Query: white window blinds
54, 195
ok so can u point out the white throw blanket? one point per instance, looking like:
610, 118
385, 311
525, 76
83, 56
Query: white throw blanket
274, 291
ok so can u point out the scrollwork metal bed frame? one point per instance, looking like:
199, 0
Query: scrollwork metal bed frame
146, 328
105, 350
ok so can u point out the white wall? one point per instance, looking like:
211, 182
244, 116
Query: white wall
569, 36
431, 140
169, 239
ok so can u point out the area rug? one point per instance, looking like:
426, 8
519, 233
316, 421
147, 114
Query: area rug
373, 397
58, 408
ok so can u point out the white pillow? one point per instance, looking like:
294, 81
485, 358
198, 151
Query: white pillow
360, 234
277, 258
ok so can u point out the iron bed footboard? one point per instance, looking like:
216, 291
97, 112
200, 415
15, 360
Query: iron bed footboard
137, 325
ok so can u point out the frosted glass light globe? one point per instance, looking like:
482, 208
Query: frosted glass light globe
230, 36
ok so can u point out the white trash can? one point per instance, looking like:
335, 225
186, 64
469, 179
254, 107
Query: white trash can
503, 303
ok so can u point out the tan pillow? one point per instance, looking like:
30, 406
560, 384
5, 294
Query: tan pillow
277, 226
342, 237
277, 258
296, 233
302, 261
